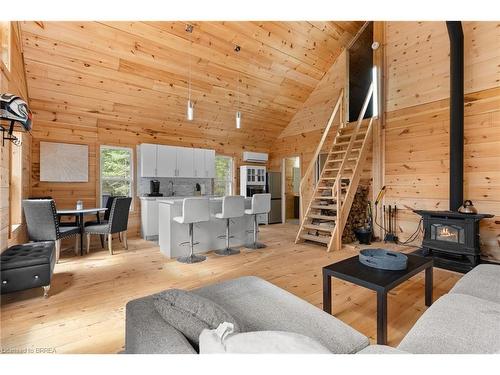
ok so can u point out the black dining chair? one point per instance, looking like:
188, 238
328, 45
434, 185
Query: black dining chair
43, 224
61, 223
105, 217
117, 223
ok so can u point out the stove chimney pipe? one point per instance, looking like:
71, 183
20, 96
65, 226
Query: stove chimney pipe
456, 36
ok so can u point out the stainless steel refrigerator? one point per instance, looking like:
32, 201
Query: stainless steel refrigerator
274, 188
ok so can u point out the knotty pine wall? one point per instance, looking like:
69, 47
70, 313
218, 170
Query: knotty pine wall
13, 81
417, 122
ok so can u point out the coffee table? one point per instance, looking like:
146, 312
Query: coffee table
381, 281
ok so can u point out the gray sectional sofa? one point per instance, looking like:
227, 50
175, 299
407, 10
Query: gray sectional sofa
467, 320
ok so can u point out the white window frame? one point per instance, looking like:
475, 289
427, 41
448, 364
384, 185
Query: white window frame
131, 150
231, 177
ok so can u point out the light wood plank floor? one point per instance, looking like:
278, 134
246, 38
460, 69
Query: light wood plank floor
85, 311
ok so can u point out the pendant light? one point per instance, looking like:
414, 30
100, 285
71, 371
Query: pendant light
190, 104
238, 112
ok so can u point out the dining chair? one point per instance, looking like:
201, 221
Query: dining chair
117, 223
105, 217
43, 224
61, 223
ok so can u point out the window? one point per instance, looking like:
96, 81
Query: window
116, 172
5, 43
223, 184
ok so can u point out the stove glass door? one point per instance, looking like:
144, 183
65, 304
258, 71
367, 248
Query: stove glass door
448, 233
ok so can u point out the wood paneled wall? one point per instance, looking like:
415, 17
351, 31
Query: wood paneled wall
417, 122
13, 81
125, 83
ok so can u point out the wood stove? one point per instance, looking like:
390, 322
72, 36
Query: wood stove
452, 238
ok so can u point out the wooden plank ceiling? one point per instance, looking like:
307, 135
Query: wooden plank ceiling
134, 74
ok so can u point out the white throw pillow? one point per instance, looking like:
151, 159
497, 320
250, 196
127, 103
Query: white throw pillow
222, 340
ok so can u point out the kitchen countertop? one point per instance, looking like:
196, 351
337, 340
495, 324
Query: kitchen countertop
175, 197
175, 200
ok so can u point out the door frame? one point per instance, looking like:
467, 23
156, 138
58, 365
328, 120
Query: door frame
283, 187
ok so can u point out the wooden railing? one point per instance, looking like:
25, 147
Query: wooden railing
307, 181
336, 239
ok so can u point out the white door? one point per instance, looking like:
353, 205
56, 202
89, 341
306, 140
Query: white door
166, 161
199, 162
209, 163
148, 160
185, 162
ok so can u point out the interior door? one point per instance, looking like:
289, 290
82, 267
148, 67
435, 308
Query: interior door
166, 161
148, 160
199, 162
209, 163
185, 162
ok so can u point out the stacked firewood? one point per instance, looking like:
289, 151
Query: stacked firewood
357, 216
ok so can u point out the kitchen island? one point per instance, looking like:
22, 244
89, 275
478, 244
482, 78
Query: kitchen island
171, 233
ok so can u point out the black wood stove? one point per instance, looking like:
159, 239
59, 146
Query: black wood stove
452, 238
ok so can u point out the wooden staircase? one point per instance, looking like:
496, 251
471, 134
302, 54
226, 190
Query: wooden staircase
329, 204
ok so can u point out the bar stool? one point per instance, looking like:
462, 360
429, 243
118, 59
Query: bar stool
194, 210
232, 207
261, 204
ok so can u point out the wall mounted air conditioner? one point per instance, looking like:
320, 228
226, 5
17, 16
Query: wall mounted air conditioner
255, 157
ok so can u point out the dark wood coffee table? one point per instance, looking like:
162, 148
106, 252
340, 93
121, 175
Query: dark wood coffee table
381, 281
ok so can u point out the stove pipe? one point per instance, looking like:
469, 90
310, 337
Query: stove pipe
456, 36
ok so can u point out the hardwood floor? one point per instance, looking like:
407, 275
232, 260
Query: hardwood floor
85, 312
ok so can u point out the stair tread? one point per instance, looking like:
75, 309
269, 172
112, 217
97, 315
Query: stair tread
322, 239
324, 207
322, 217
319, 227
346, 143
343, 151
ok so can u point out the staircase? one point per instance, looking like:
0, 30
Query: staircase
329, 204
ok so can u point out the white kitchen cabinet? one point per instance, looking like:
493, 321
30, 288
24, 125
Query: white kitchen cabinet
149, 218
209, 164
148, 160
199, 162
166, 162
185, 162
172, 161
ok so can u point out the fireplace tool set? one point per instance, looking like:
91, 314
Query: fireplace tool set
390, 215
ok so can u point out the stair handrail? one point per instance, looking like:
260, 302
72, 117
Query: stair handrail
319, 148
337, 186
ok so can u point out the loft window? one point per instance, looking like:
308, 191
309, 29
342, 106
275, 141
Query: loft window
360, 73
116, 172
223, 184
5, 43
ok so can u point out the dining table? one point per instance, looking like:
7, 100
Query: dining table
79, 214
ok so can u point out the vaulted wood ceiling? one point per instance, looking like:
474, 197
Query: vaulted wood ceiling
134, 74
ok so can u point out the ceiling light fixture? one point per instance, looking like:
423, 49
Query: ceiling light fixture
238, 112
190, 104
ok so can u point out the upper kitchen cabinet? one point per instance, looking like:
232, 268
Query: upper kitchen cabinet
209, 163
185, 162
166, 162
204, 163
171, 161
199, 162
147, 159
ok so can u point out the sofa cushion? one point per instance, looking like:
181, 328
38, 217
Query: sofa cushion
261, 306
381, 349
456, 323
147, 333
190, 313
223, 341
482, 282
